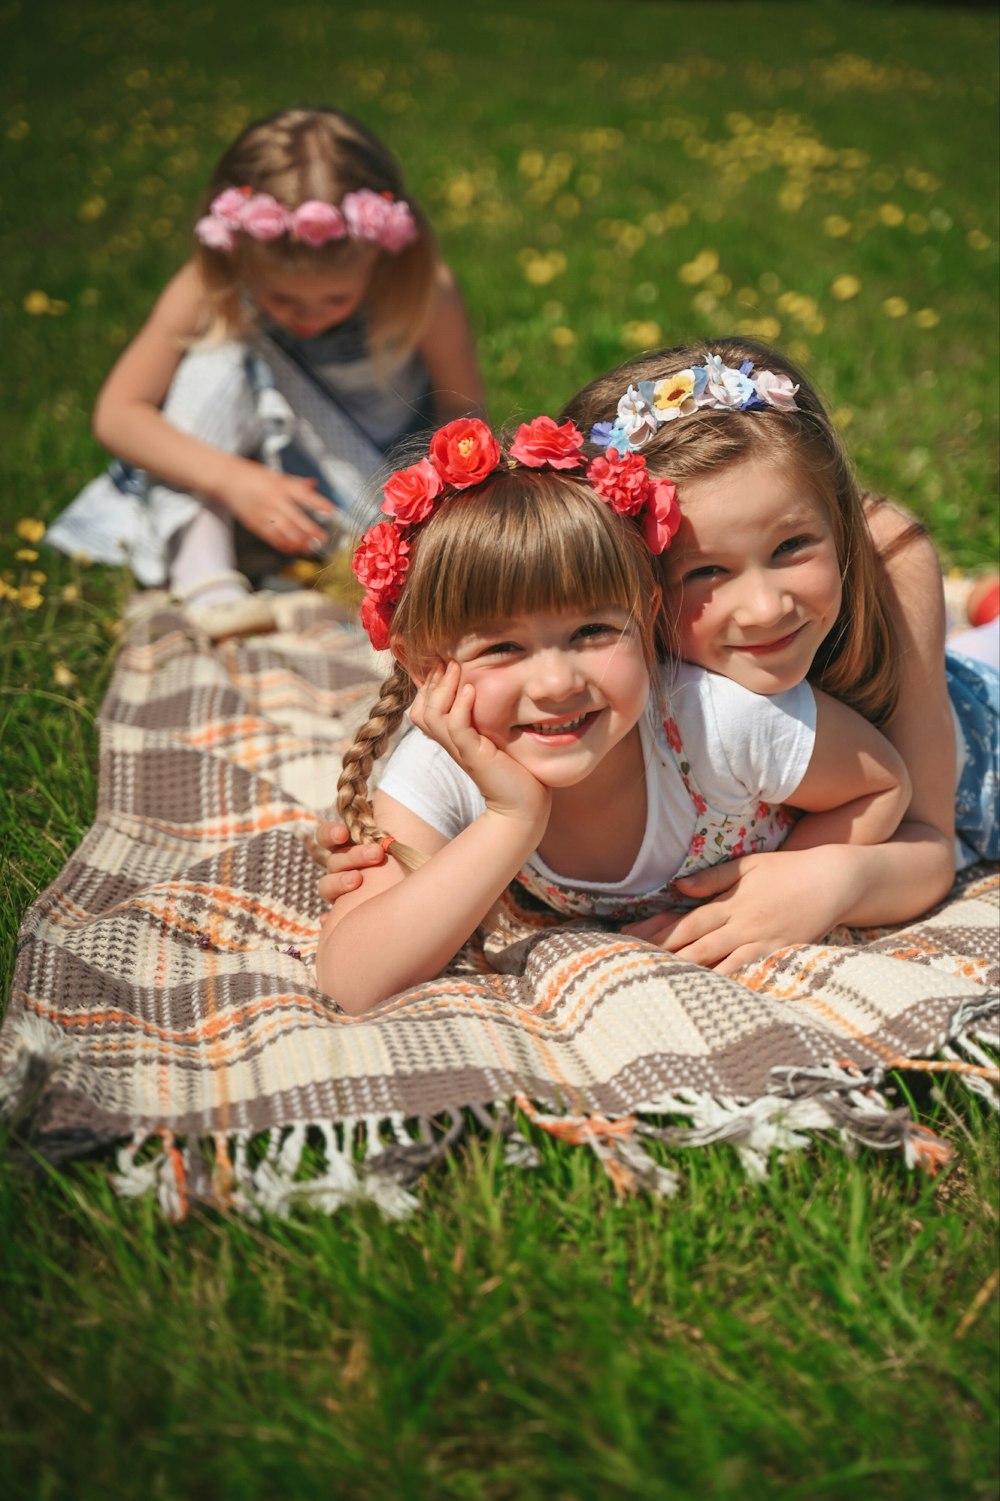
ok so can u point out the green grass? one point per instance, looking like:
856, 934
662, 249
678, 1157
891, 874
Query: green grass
602, 178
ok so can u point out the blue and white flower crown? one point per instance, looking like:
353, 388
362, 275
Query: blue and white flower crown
714, 386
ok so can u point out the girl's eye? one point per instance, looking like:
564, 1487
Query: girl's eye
706, 571
499, 649
596, 629
793, 544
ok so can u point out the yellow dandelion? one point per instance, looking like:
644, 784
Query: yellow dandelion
563, 337
18, 130
704, 265
303, 571
36, 303
917, 224
675, 215
642, 333
704, 302
36, 576
26, 555
29, 529
90, 297
836, 226
842, 417
57, 307
761, 328
70, 593
844, 287
531, 164
6, 590
891, 214
62, 675
29, 597
927, 317
895, 307
800, 351
791, 198
976, 240
92, 208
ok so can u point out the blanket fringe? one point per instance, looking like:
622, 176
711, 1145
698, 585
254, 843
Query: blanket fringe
376, 1159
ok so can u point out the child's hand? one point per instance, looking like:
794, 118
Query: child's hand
754, 905
275, 506
443, 710
344, 862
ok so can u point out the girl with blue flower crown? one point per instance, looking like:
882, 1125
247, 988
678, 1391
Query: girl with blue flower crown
782, 571
313, 327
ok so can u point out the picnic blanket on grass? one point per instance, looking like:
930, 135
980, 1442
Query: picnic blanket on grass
164, 1003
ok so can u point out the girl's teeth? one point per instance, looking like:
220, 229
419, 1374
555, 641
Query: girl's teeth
559, 729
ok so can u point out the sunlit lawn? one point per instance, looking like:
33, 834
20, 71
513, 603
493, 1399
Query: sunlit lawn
603, 178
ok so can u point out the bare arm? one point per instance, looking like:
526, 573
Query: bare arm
394, 932
856, 786
449, 352
129, 422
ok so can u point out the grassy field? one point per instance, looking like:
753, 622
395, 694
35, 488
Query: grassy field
603, 179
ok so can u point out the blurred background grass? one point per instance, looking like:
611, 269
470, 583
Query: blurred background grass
604, 178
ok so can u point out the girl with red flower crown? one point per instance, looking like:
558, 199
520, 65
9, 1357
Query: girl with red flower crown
520, 595
321, 328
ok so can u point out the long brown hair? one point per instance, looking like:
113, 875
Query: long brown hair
858, 661
300, 154
523, 540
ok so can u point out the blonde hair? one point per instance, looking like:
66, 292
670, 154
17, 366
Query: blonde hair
296, 155
857, 662
524, 540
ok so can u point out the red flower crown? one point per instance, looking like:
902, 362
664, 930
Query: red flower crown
464, 453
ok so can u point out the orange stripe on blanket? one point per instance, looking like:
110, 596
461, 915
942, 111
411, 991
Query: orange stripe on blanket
234, 1016
266, 819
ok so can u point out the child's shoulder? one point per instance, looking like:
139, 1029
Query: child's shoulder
685, 680
180, 307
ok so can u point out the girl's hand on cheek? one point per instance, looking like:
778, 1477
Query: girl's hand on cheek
443, 709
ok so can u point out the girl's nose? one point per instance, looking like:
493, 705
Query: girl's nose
553, 675
762, 601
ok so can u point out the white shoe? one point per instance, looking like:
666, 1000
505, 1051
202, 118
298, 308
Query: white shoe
250, 614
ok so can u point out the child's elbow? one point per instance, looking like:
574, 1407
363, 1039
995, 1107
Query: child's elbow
102, 424
351, 993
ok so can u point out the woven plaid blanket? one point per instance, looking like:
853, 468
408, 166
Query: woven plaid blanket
164, 1002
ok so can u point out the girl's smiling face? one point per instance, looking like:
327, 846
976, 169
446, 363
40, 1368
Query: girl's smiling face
308, 302
754, 577
559, 692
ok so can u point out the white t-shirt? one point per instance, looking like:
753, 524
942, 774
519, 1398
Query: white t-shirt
742, 749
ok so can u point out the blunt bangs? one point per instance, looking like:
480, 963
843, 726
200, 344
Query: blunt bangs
527, 542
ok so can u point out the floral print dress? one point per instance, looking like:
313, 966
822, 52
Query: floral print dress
718, 836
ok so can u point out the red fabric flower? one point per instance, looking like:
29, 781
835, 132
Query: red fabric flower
543, 444
410, 493
381, 561
662, 515
375, 617
673, 734
622, 479
464, 452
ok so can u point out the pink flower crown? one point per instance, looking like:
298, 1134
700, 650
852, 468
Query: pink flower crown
464, 453
365, 215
